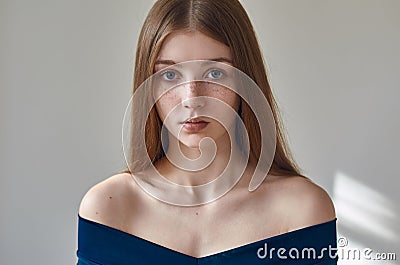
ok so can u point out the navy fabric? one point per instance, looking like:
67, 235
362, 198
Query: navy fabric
101, 244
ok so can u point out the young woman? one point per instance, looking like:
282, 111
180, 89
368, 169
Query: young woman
128, 219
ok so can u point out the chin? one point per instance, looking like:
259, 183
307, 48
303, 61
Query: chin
193, 141
190, 143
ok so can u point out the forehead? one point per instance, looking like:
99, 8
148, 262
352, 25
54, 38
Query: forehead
185, 46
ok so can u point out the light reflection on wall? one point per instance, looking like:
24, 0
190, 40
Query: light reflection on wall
366, 218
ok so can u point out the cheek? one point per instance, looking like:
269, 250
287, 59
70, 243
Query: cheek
226, 95
166, 103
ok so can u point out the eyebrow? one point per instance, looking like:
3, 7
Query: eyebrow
171, 62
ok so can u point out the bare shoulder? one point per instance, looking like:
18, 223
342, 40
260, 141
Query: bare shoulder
304, 202
106, 201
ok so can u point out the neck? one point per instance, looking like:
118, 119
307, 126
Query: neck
195, 166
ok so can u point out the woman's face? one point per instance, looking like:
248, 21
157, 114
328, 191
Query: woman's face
188, 104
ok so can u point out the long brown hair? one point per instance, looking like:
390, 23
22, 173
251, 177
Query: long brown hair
227, 22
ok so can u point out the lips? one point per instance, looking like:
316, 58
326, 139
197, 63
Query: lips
194, 120
194, 124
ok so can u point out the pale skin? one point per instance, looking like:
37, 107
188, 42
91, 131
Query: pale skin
279, 205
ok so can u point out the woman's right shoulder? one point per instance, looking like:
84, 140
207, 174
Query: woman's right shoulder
108, 199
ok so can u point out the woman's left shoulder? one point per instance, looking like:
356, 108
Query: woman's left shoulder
304, 202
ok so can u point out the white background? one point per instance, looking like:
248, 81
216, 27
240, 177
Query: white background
66, 77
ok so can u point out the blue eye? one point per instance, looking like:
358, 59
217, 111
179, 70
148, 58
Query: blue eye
215, 74
169, 75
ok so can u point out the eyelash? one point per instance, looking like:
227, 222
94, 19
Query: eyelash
163, 74
208, 73
213, 70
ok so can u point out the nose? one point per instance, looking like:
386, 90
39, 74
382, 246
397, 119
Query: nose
192, 97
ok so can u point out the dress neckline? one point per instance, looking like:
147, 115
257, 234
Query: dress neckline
223, 252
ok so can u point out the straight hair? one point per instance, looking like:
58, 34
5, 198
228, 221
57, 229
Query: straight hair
227, 22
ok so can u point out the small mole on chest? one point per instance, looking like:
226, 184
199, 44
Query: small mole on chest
197, 213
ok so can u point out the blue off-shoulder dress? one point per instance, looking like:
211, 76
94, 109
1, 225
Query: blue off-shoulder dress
101, 244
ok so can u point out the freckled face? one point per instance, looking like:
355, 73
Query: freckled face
190, 99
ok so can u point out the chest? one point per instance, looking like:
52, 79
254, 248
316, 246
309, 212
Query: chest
205, 230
